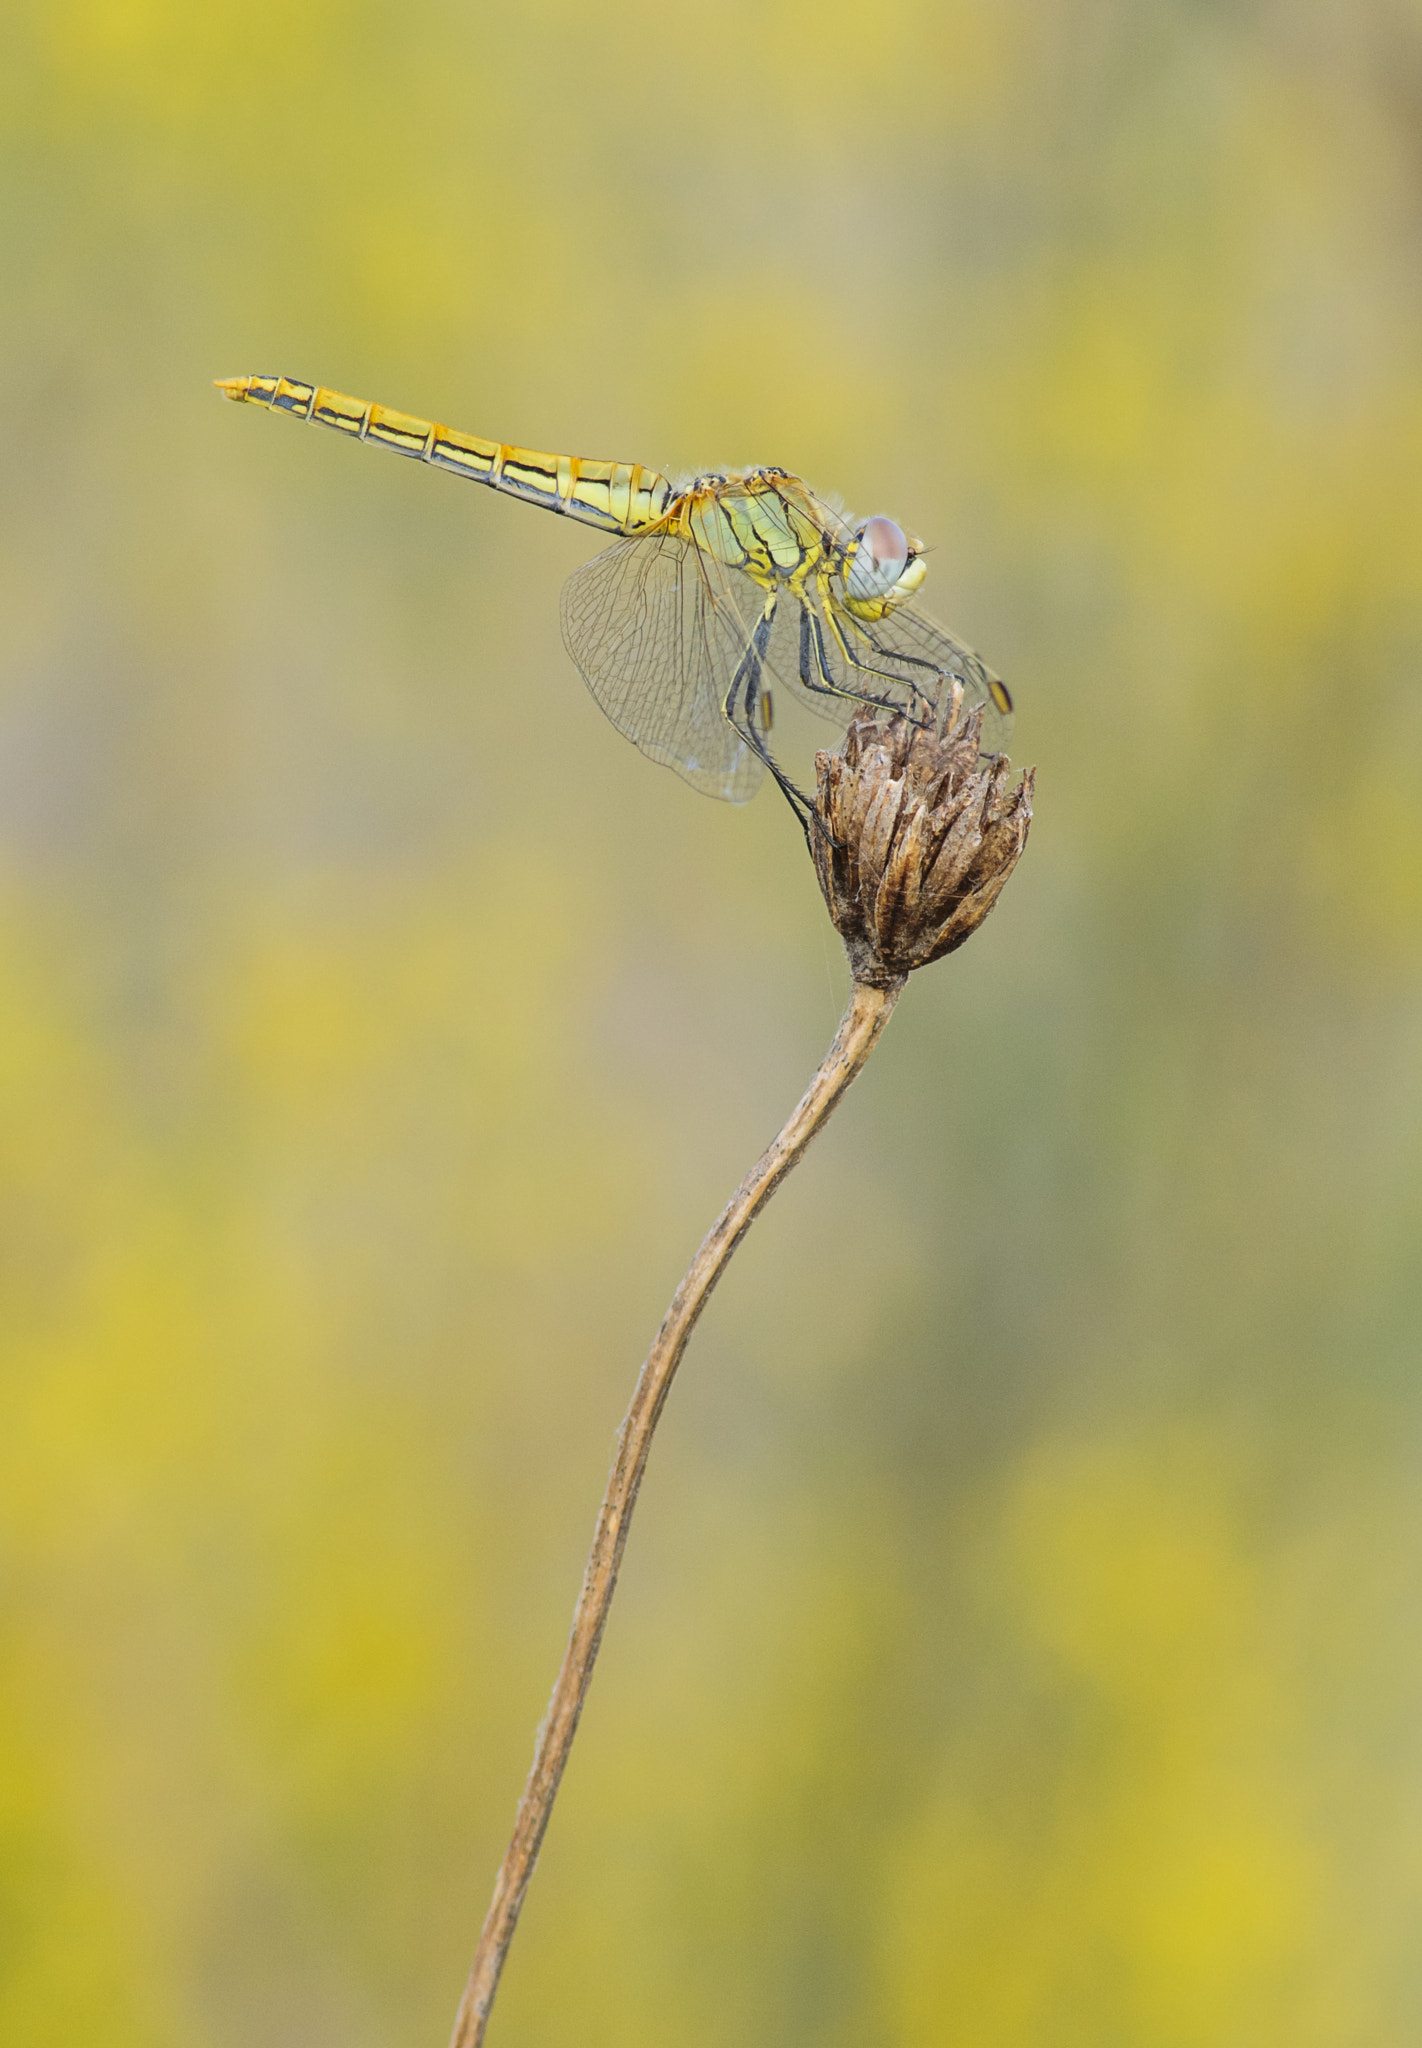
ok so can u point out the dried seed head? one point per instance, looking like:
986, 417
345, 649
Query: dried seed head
915, 834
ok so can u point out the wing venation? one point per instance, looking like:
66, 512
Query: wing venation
658, 647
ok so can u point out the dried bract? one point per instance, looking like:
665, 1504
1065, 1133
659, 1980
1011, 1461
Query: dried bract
915, 834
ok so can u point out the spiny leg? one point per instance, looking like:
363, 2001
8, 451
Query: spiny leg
927, 697
968, 675
941, 676
740, 708
815, 672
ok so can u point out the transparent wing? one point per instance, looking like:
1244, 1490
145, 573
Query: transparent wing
910, 646
658, 645
819, 653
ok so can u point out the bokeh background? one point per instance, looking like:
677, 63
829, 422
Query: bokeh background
1018, 1646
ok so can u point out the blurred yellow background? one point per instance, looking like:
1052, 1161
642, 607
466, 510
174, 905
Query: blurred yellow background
1018, 1646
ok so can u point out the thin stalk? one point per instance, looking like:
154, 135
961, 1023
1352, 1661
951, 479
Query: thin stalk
868, 1013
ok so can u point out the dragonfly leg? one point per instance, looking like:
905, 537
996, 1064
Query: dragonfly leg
815, 672
933, 702
740, 706
926, 694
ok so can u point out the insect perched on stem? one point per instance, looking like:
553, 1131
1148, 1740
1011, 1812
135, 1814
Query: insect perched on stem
709, 595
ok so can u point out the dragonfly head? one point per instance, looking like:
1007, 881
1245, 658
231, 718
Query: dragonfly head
882, 564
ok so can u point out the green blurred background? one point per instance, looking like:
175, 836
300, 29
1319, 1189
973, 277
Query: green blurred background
1018, 1646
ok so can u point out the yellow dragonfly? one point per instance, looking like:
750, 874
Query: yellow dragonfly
714, 595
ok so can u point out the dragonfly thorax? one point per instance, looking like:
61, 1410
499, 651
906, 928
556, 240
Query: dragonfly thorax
763, 521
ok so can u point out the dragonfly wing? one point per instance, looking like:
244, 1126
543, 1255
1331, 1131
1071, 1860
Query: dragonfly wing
904, 651
659, 646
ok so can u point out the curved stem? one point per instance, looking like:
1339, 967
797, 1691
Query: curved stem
868, 1012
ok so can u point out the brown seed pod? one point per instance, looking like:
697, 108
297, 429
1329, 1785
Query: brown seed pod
915, 834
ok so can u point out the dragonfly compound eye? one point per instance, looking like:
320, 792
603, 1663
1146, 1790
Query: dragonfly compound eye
879, 559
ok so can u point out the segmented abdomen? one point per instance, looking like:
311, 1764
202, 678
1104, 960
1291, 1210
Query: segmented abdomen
619, 497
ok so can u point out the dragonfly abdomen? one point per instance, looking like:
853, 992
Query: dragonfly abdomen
619, 497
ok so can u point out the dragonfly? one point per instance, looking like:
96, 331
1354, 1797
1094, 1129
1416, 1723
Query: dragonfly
714, 595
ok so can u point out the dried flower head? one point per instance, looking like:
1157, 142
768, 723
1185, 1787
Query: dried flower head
915, 834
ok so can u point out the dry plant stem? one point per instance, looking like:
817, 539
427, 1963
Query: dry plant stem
868, 1012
